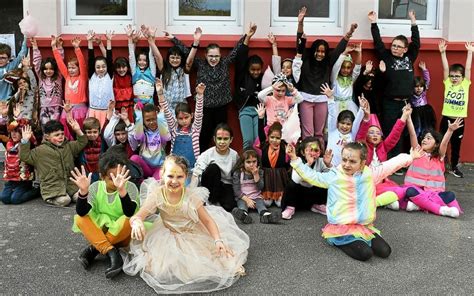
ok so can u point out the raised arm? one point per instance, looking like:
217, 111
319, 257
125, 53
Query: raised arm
342, 45
380, 49
193, 51
276, 59
426, 74
58, 56
76, 42
90, 52
149, 33
131, 49
199, 108
108, 54
447, 136
170, 119
470, 49
412, 132
444, 59
332, 108
414, 46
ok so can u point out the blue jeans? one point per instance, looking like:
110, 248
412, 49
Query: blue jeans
248, 118
17, 192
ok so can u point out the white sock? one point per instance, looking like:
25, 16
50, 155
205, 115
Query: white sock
412, 207
449, 211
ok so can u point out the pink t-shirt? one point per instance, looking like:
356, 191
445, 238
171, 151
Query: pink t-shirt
277, 110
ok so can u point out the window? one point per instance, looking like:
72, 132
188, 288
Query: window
393, 13
322, 16
211, 15
97, 14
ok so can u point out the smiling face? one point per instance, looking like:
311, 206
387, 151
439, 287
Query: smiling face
174, 177
184, 119
92, 134
72, 69
151, 121
121, 136
121, 70
142, 62
222, 140
428, 143
286, 68
374, 135
48, 70
346, 69
320, 53
255, 70
213, 56
174, 60
344, 126
100, 68
351, 161
274, 139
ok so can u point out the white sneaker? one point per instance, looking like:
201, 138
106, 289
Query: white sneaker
411, 207
394, 206
449, 211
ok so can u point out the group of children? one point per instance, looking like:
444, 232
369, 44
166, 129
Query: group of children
95, 138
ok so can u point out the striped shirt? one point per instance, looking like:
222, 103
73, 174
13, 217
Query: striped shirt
176, 130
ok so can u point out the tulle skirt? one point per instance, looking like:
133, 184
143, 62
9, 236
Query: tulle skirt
188, 262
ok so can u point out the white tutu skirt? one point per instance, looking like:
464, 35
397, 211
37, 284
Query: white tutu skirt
183, 259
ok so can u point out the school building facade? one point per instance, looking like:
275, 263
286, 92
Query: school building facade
223, 21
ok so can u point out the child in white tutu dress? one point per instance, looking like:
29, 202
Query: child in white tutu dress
190, 247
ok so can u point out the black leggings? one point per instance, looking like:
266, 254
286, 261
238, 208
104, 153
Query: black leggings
446, 196
361, 251
219, 192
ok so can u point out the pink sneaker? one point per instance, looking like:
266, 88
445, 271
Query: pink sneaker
288, 213
320, 209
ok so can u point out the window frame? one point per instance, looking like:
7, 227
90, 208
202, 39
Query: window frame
73, 23
431, 27
316, 25
210, 24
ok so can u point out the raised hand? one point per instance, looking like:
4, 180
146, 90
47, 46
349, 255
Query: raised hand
327, 158
382, 66
200, 88
364, 104
291, 151
110, 109
326, 90
469, 46
76, 41
406, 111
260, 110
34, 44
25, 62
197, 34
81, 179
168, 35
151, 33
372, 15
442, 46
352, 28
422, 65
73, 123
302, 14
417, 152
138, 228
90, 35
67, 108
252, 29
59, 42
26, 133
412, 16
121, 178
109, 34
369, 66
358, 47
271, 38
159, 86
456, 124
129, 31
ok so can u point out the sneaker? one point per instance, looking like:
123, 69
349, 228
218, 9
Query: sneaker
399, 172
242, 216
269, 217
320, 209
288, 213
394, 206
449, 211
456, 173
411, 207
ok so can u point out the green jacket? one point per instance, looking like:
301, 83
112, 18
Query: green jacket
53, 165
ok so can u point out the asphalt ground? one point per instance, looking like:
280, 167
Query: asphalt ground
430, 255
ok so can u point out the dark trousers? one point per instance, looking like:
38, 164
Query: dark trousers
211, 118
455, 140
361, 251
392, 110
300, 197
219, 192
17, 192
